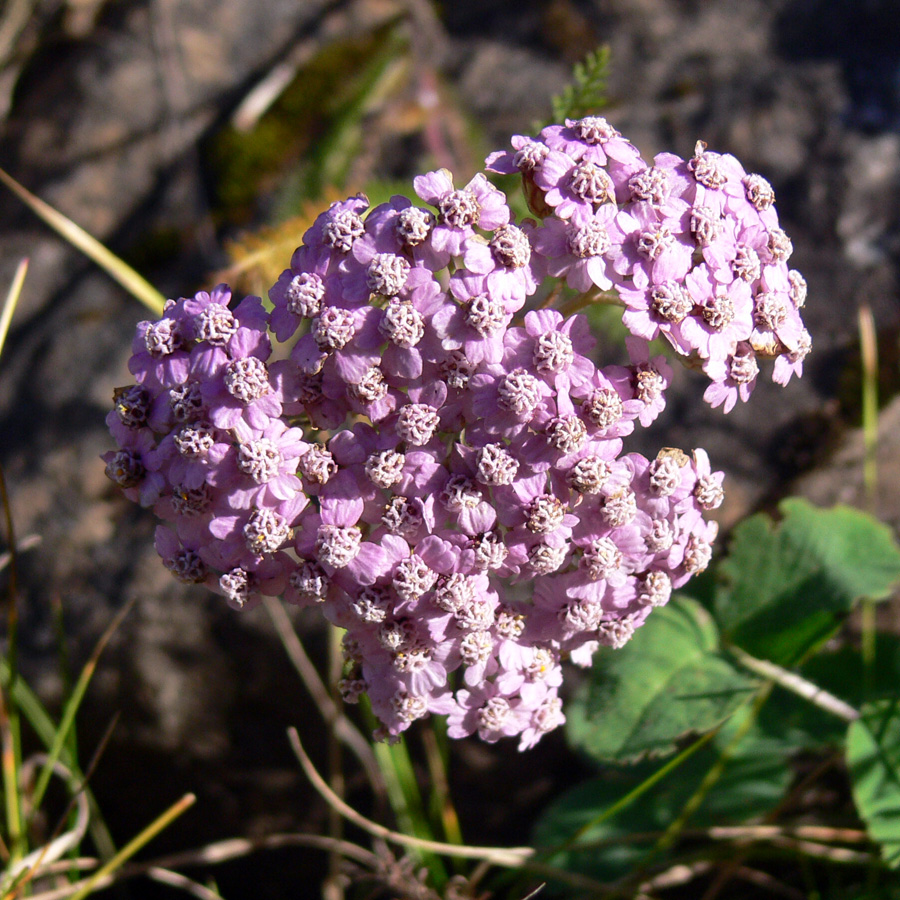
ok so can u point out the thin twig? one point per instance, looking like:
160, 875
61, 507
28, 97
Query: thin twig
795, 683
532, 894
176, 879
335, 764
769, 883
511, 857
339, 724
25, 543
804, 832
223, 851
675, 876
681, 874
823, 851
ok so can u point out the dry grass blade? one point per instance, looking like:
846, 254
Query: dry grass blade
176, 879
12, 300
209, 855
116, 268
675, 876
234, 848
825, 851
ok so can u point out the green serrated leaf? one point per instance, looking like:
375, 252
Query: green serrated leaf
753, 782
873, 757
669, 680
787, 587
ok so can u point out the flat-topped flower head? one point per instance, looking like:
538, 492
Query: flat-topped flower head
438, 464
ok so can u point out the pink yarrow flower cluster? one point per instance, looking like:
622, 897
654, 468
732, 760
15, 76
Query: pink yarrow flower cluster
691, 248
434, 464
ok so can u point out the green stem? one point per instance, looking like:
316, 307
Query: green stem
712, 776
11, 723
634, 794
11, 764
406, 800
434, 737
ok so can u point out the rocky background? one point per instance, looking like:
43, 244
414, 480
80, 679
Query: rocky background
168, 127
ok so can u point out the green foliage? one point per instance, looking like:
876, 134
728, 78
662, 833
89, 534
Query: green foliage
587, 92
669, 680
752, 783
782, 591
786, 588
873, 756
760, 634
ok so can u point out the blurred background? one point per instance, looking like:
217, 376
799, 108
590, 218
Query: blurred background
198, 138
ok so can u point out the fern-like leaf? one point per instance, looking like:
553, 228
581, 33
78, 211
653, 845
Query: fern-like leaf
587, 92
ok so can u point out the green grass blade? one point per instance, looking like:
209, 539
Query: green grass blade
68, 719
636, 792
45, 728
116, 268
437, 755
406, 800
10, 722
11, 762
135, 844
